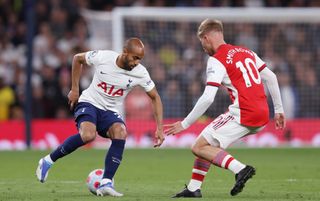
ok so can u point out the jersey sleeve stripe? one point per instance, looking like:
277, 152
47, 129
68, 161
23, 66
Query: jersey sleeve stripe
262, 67
215, 84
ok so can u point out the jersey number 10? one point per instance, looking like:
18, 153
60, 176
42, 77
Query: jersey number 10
250, 66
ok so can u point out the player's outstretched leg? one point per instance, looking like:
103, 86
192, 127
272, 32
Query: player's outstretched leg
106, 188
67, 147
186, 193
241, 178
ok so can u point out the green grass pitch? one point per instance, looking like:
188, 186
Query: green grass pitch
156, 174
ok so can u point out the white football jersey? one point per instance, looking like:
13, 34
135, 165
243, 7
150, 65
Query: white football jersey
110, 83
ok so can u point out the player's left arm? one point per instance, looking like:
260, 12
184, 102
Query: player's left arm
158, 115
270, 79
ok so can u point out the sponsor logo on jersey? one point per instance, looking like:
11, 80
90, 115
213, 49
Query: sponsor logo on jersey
110, 89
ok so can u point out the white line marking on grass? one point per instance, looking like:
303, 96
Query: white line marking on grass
68, 182
54, 182
292, 180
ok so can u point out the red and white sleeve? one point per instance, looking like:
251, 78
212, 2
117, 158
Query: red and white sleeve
259, 62
215, 72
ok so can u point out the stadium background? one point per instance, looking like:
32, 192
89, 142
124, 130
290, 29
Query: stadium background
173, 56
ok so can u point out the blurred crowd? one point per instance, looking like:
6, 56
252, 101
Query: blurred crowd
178, 62
173, 55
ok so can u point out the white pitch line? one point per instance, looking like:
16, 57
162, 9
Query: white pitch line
54, 182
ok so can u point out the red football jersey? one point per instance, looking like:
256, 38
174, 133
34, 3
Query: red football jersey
237, 68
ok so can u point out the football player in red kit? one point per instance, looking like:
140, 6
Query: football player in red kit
241, 71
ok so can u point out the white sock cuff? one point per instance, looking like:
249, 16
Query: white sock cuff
194, 185
105, 180
236, 166
48, 159
199, 171
224, 161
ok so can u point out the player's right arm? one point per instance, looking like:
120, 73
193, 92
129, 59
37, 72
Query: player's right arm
77, 63
215, 75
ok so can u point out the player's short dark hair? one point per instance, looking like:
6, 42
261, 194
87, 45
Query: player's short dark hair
209, 25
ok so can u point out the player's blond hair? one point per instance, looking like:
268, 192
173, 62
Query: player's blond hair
208, 25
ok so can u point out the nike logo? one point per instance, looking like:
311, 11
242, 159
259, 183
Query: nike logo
102, 73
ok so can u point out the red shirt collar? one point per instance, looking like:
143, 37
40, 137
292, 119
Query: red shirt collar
221, 46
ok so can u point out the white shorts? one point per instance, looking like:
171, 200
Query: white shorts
226, 130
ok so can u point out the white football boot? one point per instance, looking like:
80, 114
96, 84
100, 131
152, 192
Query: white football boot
42, 170
106, 188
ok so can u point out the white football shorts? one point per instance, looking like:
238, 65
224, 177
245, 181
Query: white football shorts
226, 130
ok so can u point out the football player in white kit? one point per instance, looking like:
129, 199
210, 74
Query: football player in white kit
96, 111
241, 71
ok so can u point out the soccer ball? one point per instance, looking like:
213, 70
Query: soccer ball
94, 179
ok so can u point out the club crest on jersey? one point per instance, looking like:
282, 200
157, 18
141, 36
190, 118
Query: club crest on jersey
93, 53
129, 83
149, 82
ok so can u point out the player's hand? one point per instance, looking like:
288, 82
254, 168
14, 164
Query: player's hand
159, 137
73, 97
174, 128
280, 120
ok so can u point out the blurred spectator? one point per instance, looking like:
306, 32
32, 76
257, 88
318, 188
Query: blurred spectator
247, 37
17, 112
172, 100
221, 103
58, 21
168, 55
288, 94
51, 91
6, 99
159, 78
309, 94
193, 94
38, 102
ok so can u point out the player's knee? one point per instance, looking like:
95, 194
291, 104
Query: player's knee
118, 131
88, 135
87, 131
195, 149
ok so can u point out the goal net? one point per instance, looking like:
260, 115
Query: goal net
287, 39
